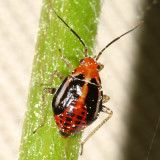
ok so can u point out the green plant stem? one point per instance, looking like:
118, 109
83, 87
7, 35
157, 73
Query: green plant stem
53, 35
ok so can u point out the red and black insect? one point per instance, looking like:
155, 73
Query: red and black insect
79, 99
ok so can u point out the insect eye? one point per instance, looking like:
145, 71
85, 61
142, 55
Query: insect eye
98, 67
82, 61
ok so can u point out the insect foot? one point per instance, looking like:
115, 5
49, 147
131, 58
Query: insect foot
37, 128
81, 148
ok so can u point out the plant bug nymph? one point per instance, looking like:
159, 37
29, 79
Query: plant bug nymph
79, 99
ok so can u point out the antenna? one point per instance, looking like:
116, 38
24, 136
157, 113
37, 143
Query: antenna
100, 53
85, 48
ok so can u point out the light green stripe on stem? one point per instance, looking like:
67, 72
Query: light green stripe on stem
82, 16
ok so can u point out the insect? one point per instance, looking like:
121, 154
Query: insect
79, 99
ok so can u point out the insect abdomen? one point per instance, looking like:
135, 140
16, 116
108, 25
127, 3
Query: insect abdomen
76, 104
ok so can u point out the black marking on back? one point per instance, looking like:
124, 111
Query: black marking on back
56, 94
79, 117
70, 95
80, 76
92, 101
70, 114
68, 119
66, 124
74, 127
83, 113
64, 134
93, 80
77, 122
64, 128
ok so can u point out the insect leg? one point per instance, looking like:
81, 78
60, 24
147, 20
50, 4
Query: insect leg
54, 73
69, 65
105, 110
105, 99
45, 90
